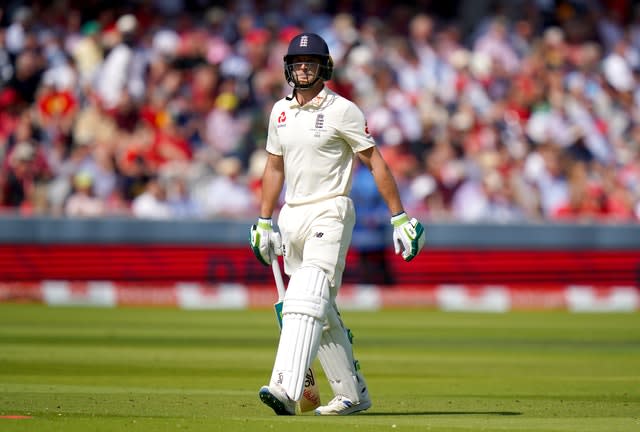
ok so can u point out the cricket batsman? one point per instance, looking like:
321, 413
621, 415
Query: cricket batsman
313, 136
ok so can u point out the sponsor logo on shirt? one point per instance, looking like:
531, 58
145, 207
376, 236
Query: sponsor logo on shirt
282, 118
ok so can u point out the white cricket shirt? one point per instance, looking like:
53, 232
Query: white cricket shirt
318, 142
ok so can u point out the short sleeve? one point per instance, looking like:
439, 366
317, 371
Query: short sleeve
273, 141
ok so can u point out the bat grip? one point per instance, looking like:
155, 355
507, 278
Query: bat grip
277, 275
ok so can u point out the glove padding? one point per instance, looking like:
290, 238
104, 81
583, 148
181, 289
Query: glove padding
408, 236
265, 242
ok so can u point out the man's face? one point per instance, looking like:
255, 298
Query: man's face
305, 69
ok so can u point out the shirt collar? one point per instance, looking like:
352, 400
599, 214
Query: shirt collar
316, 102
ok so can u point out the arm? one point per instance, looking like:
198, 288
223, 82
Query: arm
272, 182
264, 242
408, 234
385, 182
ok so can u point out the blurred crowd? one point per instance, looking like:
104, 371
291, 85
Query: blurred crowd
486, 111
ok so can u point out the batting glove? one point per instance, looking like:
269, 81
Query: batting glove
408, 236
265, 243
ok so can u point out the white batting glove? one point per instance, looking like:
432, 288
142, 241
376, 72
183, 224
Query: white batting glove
265, 243
408, 236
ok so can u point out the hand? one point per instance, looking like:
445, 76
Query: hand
408, 236
265, 243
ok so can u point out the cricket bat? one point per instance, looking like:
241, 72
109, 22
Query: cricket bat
311, 394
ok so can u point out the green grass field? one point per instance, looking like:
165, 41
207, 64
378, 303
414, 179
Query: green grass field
139, 369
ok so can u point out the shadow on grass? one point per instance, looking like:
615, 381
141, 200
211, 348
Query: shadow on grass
436, 413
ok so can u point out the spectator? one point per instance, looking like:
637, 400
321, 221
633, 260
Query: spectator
225, 125
179, 199
495, 44
370, 235
6, 64
82, 202
152, 203
21, 23
21, 179
227, 194
123, 67
29, 68
87, 52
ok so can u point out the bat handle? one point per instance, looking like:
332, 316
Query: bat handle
277, 275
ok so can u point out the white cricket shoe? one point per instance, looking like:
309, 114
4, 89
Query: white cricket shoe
341, 405
276, 398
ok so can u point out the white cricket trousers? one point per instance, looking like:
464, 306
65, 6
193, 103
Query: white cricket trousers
318, 234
